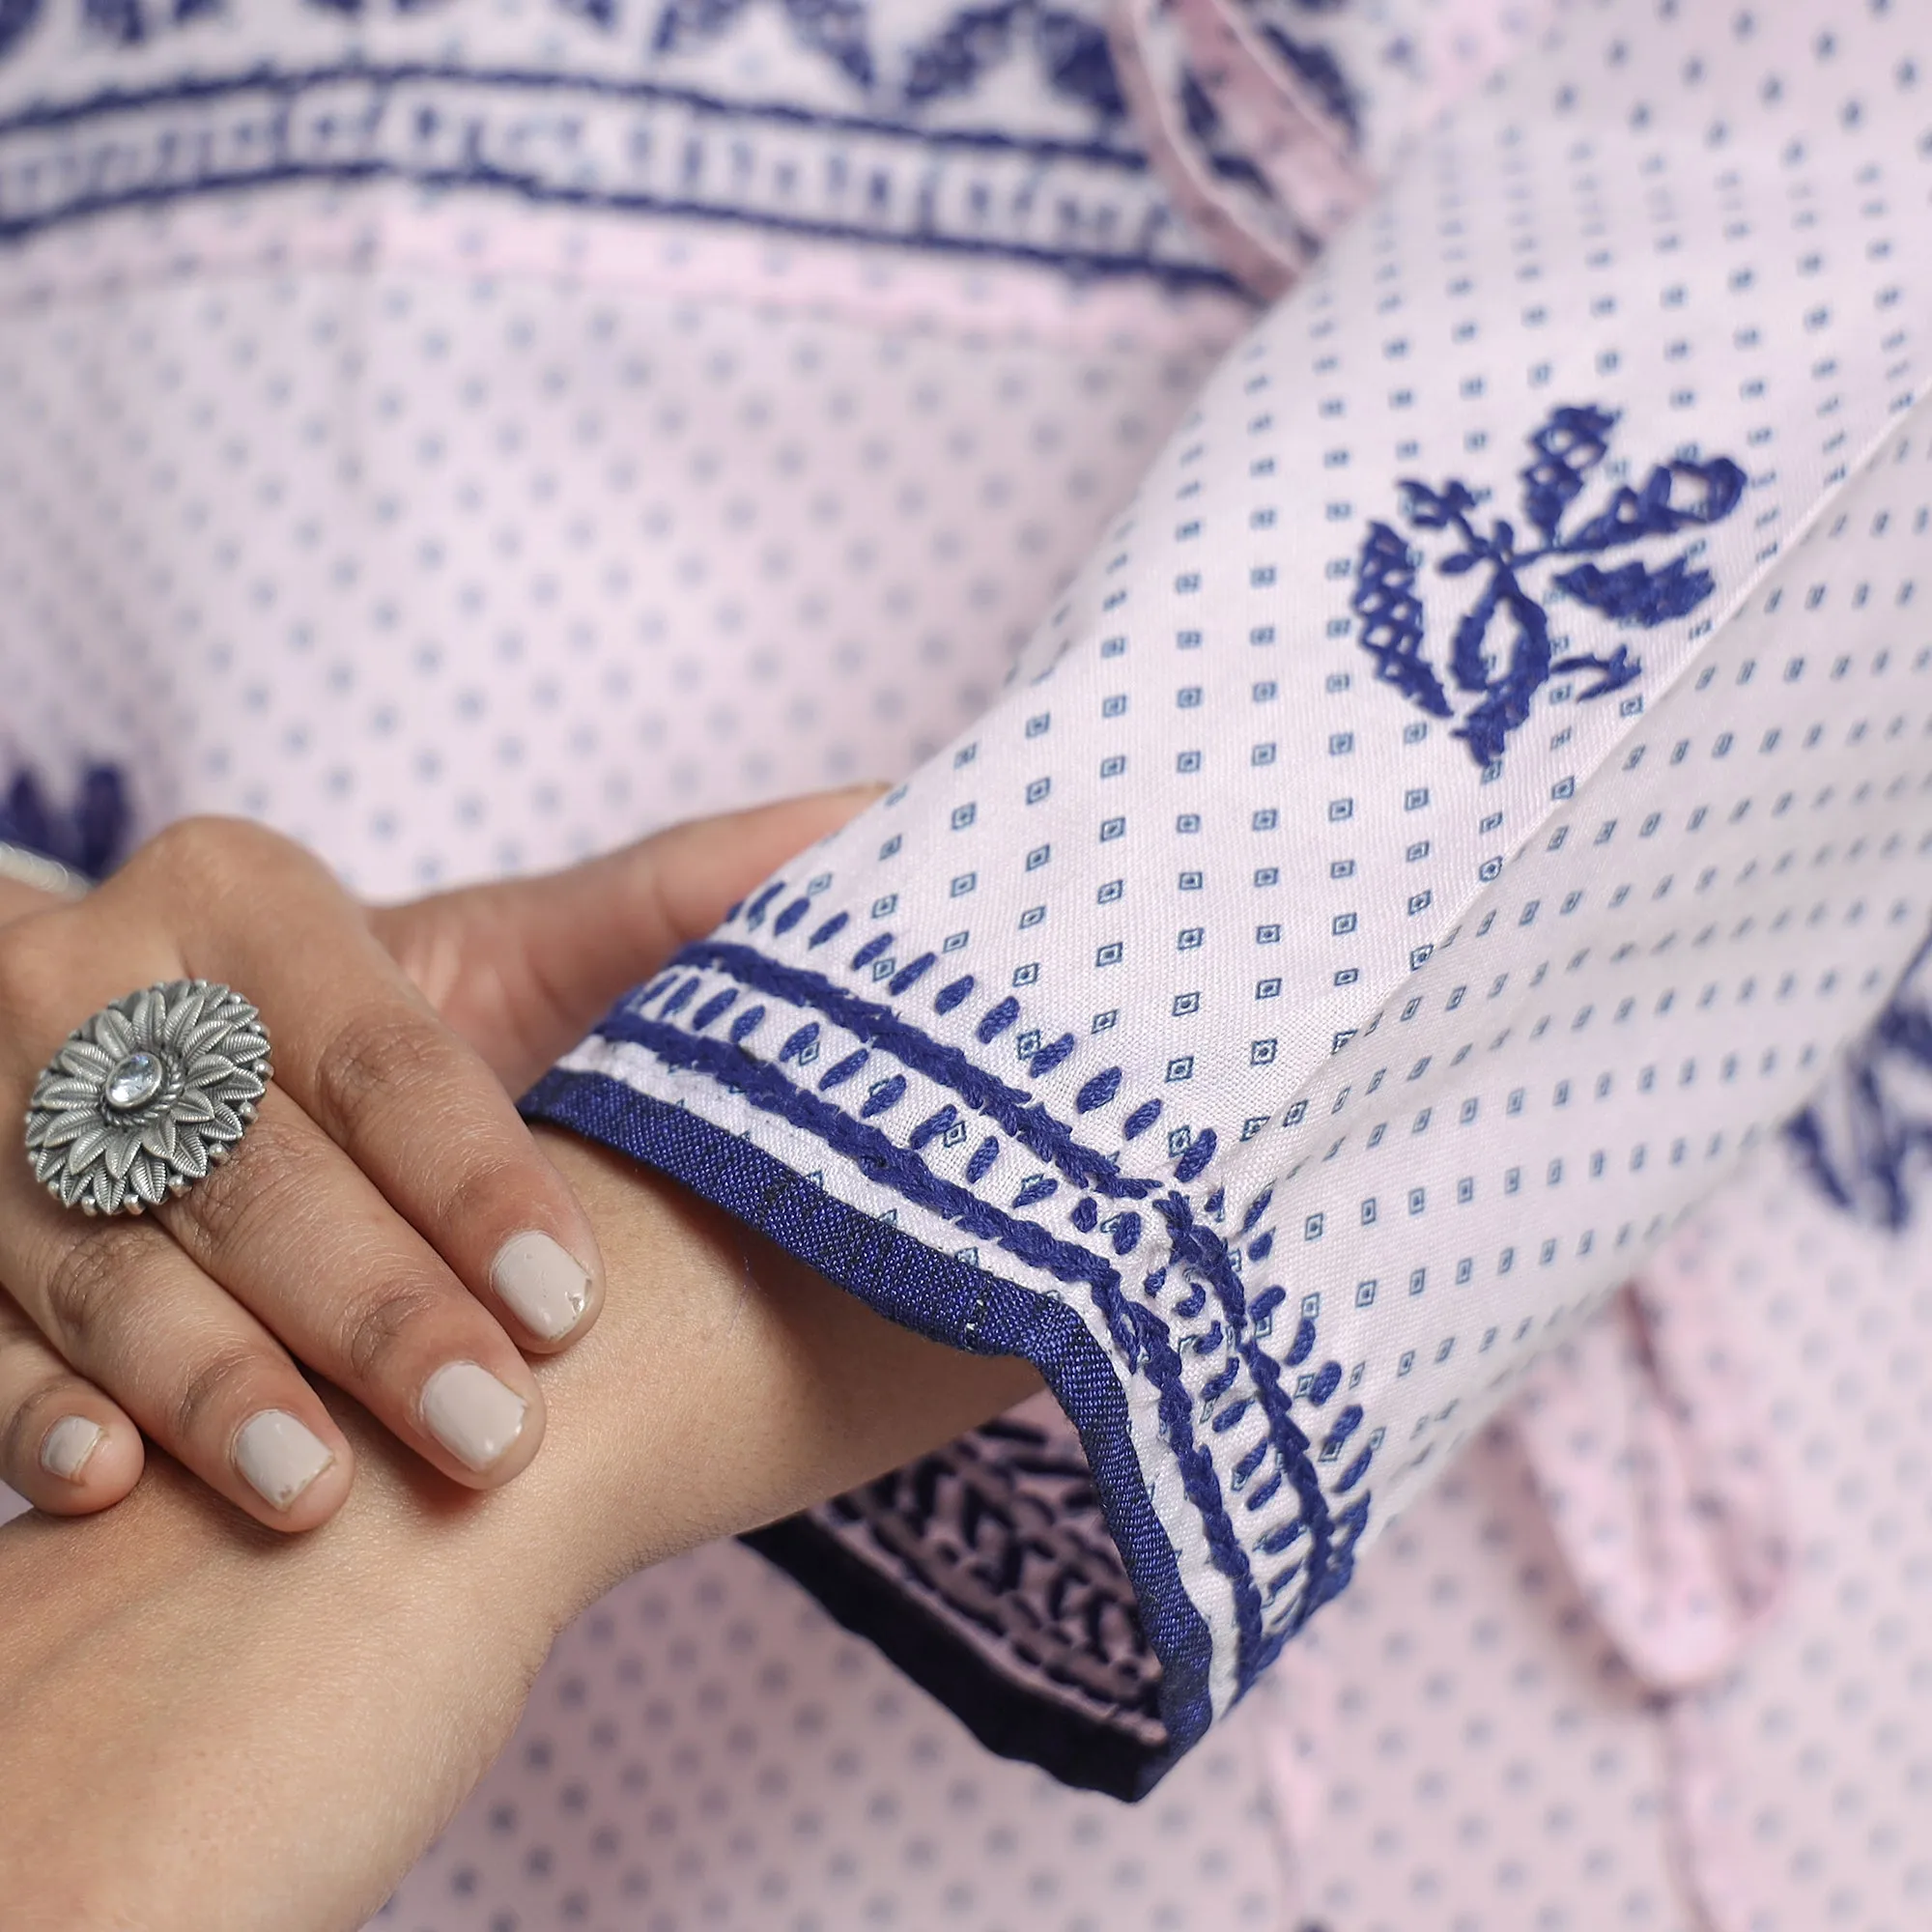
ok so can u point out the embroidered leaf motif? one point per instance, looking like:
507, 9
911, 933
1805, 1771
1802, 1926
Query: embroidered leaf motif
1867, 1136
121, 21
685, 23
953, 61
1436, 509
1501, 651
1078, 61
1506, 697
836, 28
1711, 493
1613, 672
1391, 617
1204, 124
1640, 594
1568, 447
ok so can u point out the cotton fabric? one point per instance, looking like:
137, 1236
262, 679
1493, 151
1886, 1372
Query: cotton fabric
391, 404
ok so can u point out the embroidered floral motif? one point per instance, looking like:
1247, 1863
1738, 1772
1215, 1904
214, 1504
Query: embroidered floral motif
1503, 672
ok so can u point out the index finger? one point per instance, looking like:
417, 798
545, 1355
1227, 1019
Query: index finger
415, 1108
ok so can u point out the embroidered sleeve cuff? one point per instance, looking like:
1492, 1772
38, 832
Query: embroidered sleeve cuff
1449, 823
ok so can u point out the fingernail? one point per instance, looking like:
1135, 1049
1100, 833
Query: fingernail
542, 1283
472, 1413
278, 1456
68, 1443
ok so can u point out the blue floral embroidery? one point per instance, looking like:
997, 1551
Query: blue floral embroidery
1569, 446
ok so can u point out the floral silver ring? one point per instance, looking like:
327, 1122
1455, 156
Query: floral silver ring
147, 1096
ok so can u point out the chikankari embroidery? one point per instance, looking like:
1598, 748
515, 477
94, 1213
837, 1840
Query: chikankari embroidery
1503, 650
881, 124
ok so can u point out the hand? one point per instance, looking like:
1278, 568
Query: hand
202, 1731
387, 1215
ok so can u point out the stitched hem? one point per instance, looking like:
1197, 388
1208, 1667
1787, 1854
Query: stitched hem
1004, 1716
962, 1306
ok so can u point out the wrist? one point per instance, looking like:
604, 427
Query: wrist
727, 1385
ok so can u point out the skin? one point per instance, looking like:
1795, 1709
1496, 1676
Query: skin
206, 1726
354, 1229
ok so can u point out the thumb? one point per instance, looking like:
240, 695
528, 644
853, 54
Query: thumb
523, 968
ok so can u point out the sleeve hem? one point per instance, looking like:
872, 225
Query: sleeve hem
955, 1302
1001, 1714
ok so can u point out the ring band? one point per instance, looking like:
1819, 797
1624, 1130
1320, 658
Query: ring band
147, 1096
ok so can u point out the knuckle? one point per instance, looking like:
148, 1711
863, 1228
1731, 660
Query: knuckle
483, 1187
376, 1058
90, 1286
220, 1214
186, 848
375, 1324
211, 1386
207, 855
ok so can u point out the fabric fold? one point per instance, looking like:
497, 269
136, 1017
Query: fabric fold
1452, 821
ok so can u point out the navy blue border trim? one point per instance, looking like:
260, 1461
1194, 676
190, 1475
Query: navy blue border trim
1068, 262
49, 115
1026, 1120
1207, 1250
954, 1302
1140, 1333
292, 80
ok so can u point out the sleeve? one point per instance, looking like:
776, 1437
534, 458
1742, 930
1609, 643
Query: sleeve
1459, 814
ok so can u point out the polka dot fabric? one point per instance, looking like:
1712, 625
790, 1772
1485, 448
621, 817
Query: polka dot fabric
707, 1750
463, 535
1466, 1745
498, 574
1550, 822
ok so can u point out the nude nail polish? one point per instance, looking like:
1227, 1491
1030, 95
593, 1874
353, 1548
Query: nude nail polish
473, 1416
278, 1456
542, 1284
68, 1444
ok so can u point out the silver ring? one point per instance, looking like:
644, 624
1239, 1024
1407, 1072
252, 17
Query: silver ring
147, 1096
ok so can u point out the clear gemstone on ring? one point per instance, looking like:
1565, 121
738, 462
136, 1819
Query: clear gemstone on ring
135, 1081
